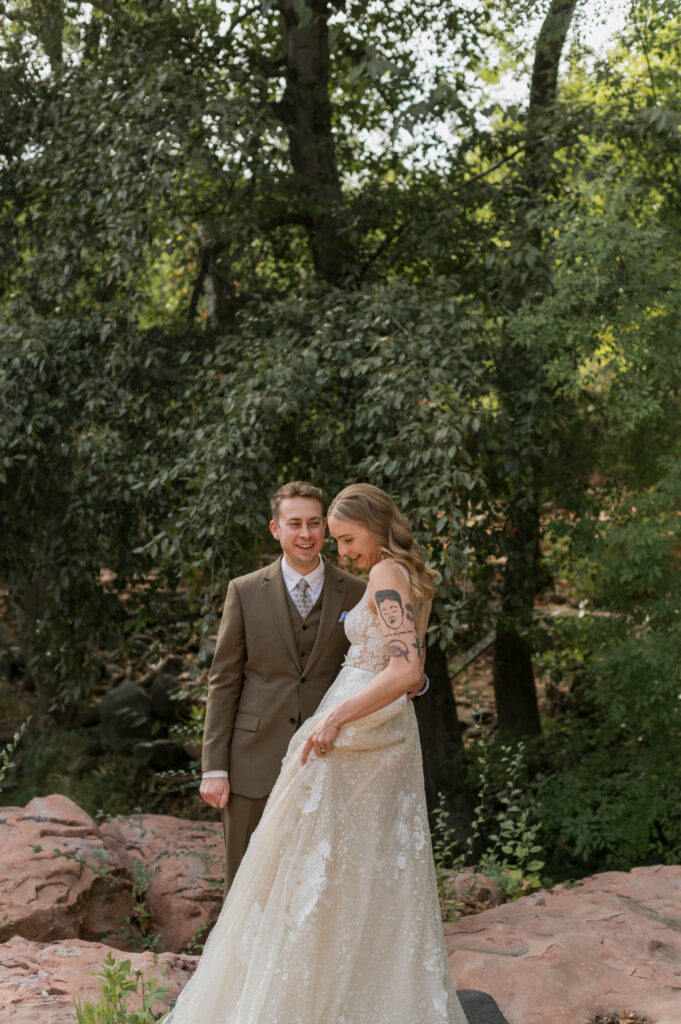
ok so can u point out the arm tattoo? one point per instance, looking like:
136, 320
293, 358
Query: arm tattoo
398, 649
393, 615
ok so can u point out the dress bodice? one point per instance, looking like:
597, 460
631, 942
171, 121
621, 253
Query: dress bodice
368, 648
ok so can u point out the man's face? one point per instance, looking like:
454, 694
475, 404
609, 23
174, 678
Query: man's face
391, 613
300, 531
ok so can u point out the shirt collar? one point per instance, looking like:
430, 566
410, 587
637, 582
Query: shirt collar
291, 575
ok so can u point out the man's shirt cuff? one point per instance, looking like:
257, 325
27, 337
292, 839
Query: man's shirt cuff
218, 774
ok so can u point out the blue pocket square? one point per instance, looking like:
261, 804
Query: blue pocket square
342, 617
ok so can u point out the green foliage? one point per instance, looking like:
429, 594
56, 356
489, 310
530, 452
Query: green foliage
6, 761
118, 984
511, 853
334, 386
608, 796
449, 860
53, 765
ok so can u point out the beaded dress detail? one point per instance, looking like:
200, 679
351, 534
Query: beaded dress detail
333, 917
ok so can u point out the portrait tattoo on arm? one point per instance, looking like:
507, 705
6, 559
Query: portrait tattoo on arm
398, 624
393, 615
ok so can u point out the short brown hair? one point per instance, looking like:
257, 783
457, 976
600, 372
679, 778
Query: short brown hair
295, 489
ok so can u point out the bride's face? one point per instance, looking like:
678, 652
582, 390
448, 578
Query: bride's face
355, 542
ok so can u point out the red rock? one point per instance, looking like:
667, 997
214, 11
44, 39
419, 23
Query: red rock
86, 890
46, 895
183, 864
38, 981
565, 955
477, 891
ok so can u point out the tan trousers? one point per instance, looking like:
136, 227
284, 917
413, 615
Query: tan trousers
239, 820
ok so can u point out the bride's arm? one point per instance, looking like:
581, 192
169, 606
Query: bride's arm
389, 593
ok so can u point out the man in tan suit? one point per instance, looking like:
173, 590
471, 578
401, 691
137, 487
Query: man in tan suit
280, 645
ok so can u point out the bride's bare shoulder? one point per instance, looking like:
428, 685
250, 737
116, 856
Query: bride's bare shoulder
384, 572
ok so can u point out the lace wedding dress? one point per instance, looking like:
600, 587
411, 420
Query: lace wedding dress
333, 917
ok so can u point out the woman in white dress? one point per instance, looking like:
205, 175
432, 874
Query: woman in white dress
333, 917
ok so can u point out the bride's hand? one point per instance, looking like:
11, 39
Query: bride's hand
321, 740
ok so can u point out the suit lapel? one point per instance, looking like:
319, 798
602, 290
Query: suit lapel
332, 605
274, 593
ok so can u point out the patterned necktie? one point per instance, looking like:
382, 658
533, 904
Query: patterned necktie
301, 597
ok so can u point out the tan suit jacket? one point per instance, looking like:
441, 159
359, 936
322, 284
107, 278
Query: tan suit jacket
258, 690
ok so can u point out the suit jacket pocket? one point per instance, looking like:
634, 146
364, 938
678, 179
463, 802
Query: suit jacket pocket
244, 720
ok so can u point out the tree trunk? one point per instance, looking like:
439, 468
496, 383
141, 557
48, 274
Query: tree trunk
515, 692
305, 110
444, 765
514, 684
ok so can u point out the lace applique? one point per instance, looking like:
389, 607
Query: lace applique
409, 830
345, 736
310, 883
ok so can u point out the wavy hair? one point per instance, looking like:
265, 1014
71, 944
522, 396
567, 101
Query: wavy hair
371, 507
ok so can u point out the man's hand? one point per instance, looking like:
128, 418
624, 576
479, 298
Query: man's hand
215, 792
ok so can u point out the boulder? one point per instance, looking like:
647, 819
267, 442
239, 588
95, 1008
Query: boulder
47, 889
66, 877
612, 943
163, 755
125, 716
39, 981
182, 865
168, 700
476, 891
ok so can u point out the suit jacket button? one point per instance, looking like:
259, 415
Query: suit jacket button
303, 680
292, 721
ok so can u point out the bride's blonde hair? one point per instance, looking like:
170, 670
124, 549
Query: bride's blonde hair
371, 507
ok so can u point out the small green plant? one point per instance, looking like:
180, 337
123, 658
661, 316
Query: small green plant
195, 944
512, 856
448, 863
6, 761
139, 919
118, 983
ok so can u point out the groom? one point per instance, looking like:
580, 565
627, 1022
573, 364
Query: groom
280, 645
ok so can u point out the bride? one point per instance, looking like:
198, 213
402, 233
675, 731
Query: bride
333, 917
